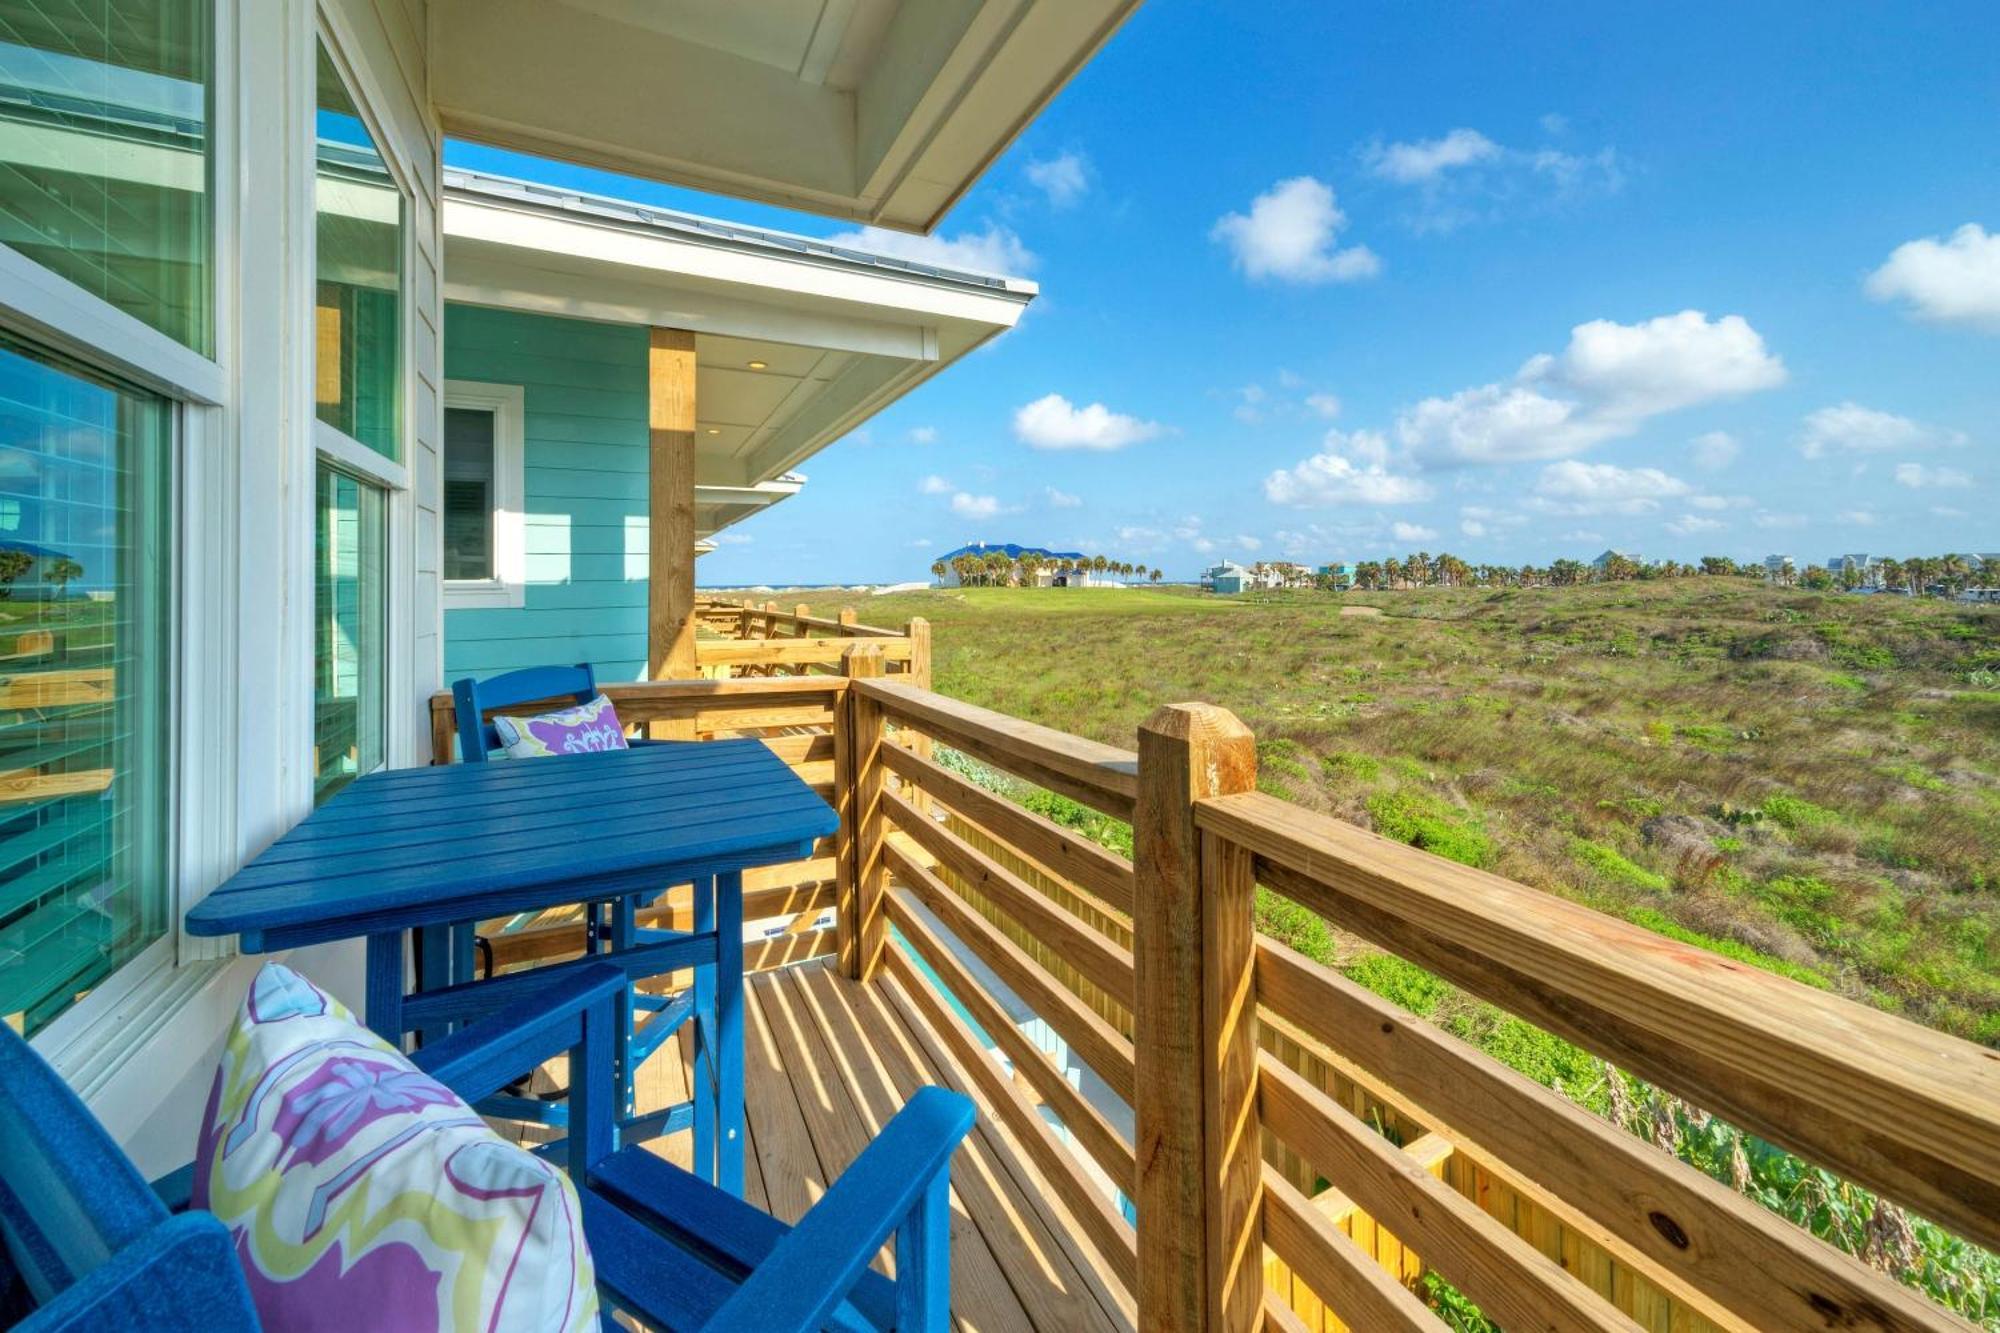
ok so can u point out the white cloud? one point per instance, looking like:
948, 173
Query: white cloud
1949, 281
974, 506
1851, 428
996, 250
1860, 518
1323, 405
1766, 518
1472, 527
1063, 499
1715, 450
1605, 384
1289, 235
1689, 524
1582, 535
1053, 422
1720, 501
1411, 532
1663, 364
923, 435
1064, 178
1918, 477
1946, 511
1554, 123
1249, 544
934, 485
1465, 177
1334, 476
1427, 159
1573, 487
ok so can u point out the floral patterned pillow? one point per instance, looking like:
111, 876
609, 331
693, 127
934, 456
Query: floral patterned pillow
364, 1194
579, 730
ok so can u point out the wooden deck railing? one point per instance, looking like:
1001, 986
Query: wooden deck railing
1261, 1083
748, 639
1299, 1152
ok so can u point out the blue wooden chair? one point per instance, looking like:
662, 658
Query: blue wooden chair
86, 1244
606, 925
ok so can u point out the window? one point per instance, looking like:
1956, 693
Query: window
85, 601
358, 209
485, 548
358, 393
105, 156
350, 540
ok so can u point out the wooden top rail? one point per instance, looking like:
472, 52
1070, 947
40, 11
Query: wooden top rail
793, 652
1103, 777
1904, 1110
776, 701
795, 621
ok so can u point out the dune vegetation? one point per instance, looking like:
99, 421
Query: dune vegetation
1806, 781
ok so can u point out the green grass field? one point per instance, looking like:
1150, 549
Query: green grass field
1807, 781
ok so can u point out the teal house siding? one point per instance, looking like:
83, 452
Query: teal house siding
584, 472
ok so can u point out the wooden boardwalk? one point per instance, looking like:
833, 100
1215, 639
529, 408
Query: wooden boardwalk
829, 1061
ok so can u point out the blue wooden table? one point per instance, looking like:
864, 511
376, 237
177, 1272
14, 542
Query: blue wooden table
425, 849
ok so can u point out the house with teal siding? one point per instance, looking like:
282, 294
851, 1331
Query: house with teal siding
556, 303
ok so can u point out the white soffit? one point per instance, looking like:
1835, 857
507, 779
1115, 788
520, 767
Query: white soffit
884, 111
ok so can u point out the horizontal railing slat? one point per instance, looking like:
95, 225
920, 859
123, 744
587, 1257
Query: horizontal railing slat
1101, 776
1359, 1290
1894, 1106
1093, 1040
1066, 855
1097, 958
1721, 1244
1511, 1281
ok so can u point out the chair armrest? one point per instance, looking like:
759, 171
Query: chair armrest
180, 1277
485, 1056
176, 1188
807, 1274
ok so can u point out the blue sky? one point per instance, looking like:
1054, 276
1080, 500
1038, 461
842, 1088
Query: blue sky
1514, 281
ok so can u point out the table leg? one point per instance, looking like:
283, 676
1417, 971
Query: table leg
385, 986
729, 1031
703, 1083
434, 951
624, 927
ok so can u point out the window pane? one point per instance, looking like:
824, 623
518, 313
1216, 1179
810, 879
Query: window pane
104, 152
359, 226
468, 493
349, 686
84, 713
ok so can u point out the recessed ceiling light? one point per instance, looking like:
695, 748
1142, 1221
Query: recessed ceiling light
758, 365
714, 430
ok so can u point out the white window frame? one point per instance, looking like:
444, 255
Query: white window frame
330, 445
94, 1035
509, 585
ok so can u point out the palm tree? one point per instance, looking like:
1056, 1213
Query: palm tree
1155, 574
13, 564
60, 571
937, 570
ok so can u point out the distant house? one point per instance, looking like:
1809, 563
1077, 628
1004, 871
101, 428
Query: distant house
1603, 562
1341, 575
1057, 569
1230, 577
1779, 568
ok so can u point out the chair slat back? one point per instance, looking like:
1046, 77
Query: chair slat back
69, 1199
473, 699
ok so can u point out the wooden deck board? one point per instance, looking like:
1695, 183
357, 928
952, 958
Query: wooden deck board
828, 1062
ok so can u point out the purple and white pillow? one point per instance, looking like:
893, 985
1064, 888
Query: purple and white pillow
581, 730
364, 1194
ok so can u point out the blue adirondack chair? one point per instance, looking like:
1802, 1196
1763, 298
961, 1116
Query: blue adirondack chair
610, 925
86, 1244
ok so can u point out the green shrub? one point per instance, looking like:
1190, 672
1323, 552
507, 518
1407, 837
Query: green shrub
1348, 764
1660, 924
1298, 927
1607, 862
1401, 983
1425, 821
1794, 812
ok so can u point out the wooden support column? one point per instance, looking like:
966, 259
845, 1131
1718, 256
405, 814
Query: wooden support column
861, 876
670, 651
1194, 1010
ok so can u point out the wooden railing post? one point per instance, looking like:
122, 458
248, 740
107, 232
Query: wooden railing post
1200, 1235
859, 777
848, 616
